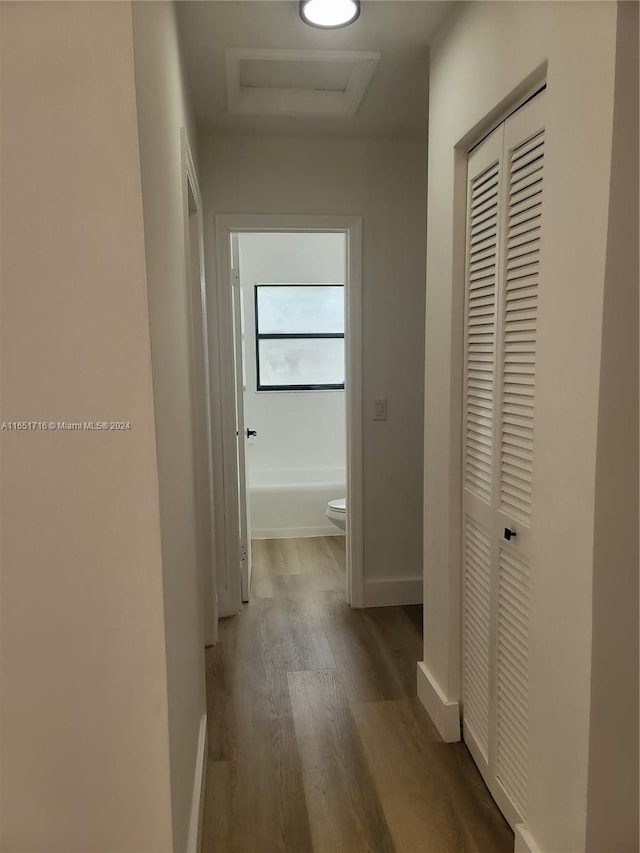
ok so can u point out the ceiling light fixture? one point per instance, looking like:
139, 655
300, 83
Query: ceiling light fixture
329, 14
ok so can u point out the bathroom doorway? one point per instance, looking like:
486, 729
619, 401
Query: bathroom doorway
294, 449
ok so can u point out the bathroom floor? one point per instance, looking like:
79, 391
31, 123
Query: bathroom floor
317, 741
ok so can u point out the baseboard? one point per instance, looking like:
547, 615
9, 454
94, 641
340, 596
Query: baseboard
524, 843
295, 532
445, 714
393, 591
194, 841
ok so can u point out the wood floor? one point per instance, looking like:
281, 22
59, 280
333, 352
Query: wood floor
317, 741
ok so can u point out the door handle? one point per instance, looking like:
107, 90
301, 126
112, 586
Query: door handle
509, 534
251, 432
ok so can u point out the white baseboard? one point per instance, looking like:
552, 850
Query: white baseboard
295, 532
524, 843
393, 591
445, 714
194, 841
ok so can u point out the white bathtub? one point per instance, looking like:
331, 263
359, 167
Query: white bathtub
291, 503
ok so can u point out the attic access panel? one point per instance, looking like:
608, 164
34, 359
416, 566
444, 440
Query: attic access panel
320, 83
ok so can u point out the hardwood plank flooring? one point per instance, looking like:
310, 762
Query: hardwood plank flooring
317, 741
344, 810
418, 778
416, 804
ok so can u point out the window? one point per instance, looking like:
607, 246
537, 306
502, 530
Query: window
299, 336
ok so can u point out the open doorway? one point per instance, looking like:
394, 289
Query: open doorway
289, 303
291, 288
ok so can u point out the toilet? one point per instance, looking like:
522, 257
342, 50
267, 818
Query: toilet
337, 513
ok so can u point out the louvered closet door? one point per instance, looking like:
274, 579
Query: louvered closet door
484, 189
499, 416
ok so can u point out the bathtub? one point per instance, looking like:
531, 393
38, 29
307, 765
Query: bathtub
291, 503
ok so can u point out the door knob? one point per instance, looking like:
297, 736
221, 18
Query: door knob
251, 432
509, 534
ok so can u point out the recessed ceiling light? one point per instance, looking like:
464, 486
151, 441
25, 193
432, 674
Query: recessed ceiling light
329, 14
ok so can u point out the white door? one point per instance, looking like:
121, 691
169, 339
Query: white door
504, 219
244, 531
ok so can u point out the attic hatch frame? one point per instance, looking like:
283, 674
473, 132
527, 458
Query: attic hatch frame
304, 102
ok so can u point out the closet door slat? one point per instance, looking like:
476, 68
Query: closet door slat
480, 326
476, 621
512, 746
519, 321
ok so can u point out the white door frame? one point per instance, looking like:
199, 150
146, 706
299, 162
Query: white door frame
192, 206
351, 226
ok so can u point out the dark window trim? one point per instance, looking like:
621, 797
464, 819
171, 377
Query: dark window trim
266, 336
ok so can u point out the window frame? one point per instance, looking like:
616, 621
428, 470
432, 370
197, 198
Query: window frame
262, 336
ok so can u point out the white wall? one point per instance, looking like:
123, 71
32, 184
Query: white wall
613, 798
383, 182
85, 760
162, 110
299, 430
478, 63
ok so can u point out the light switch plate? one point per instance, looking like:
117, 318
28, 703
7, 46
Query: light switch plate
380, 409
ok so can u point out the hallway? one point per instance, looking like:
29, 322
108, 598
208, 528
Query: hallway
317, 740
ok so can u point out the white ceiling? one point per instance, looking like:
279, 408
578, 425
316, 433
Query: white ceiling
395, 102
